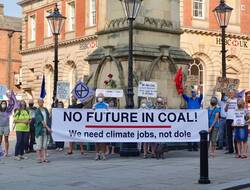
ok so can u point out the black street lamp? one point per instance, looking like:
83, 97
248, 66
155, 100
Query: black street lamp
56, 22
223, 13
131, 9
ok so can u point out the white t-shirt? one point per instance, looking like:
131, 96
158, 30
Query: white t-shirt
232, 106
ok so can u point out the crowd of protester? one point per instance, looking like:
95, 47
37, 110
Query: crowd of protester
33, 126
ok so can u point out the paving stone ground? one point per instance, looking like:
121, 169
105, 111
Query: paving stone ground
179, 171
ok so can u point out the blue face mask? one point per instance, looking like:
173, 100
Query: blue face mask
193, 94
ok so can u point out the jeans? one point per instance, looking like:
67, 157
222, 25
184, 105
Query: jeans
222, 131
20, 142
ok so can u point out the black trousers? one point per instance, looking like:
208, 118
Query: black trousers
30, 141
192, 145
20, 142
59, 144
229, 123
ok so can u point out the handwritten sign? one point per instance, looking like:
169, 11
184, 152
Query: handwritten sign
226, 84
147, 89
62, 90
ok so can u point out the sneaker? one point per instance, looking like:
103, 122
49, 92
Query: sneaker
57, 149
60, 149
24, 157
103, 156
17, 158
97, 157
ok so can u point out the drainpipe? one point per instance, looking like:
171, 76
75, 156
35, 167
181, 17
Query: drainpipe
9, 64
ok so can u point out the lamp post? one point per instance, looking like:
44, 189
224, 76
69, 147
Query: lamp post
131, 9
222, 14
56, 22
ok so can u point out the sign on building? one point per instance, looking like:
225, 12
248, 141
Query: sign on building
226, 84
62, 90
147, 89
111, 93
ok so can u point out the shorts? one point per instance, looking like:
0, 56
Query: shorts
241, 133
213, 136
42, 142
4, 131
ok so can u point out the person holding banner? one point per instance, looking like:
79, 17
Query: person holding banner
74, 105
193, 102
60, 145
100, 147
213, 119
4, 127
240, 123
42, 130
21, 120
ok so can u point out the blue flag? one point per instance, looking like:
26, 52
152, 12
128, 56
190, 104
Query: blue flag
43, 90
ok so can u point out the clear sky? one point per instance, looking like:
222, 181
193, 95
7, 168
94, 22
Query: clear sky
11, 8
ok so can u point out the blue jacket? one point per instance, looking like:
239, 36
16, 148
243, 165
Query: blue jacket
193, 103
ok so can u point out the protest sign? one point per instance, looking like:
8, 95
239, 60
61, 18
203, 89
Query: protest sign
82, 92
3, 90
111, 93
62, 90
124, 125
192, 80
226, 84
147, 89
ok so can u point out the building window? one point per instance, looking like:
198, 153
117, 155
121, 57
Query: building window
92, 11
33, 28
198, 9
47, 27
196, 69
71, 16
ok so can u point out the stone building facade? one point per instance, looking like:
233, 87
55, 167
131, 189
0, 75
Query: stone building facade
76, 42
10, 59
94, 43
201, 39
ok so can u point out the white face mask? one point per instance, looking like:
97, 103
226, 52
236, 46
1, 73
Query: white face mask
4, 106
100, 99
143, 105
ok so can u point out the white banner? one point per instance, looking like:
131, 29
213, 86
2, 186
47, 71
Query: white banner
111, 93
123, 125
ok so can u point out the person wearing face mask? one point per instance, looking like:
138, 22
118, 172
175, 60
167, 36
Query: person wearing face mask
60, 145
21, 120
230, 107
222, 124
4, 127
193, 102
74, 105
100, 147
31, 138
213, 121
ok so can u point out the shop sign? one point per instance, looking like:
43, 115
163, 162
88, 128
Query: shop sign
233, 42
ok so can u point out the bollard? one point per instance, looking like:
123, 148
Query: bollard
204, 158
